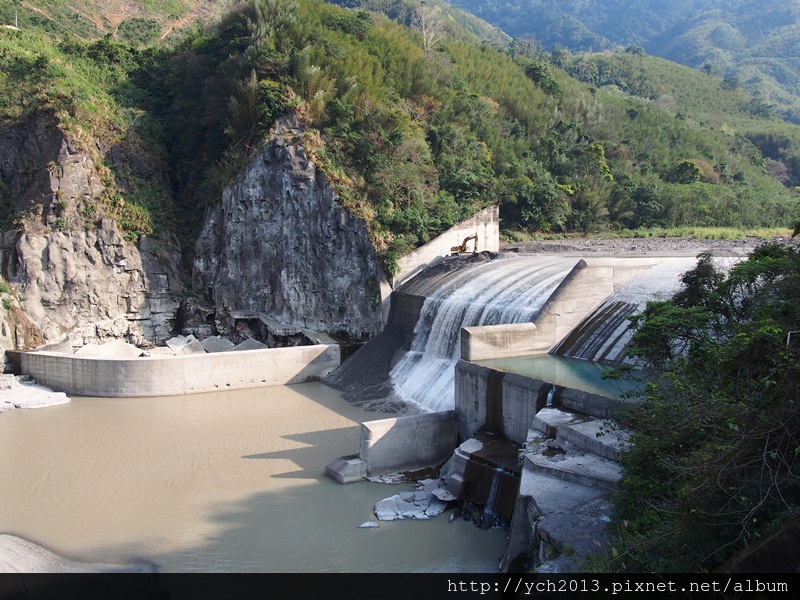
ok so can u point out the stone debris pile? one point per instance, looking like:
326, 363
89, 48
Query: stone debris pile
421, 504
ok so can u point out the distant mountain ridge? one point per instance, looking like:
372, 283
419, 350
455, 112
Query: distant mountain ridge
756, 42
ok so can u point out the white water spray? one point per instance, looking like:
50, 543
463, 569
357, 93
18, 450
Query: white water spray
550, 395
511, 290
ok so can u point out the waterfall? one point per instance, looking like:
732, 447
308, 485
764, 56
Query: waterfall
489, 510
511, 290
550, 395
604, 335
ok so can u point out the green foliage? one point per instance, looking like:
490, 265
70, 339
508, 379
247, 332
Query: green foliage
138, 31
170, 9
714, 460
412, 140
686, 172
749, 43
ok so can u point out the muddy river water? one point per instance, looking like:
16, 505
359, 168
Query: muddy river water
229, 482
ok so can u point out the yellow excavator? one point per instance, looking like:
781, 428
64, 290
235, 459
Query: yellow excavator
463, 246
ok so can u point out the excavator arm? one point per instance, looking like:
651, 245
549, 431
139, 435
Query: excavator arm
463, 246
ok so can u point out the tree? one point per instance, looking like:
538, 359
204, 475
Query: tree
686, 172
427, 20
715, 456
542, 75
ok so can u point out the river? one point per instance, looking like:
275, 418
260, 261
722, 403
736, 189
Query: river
224, 482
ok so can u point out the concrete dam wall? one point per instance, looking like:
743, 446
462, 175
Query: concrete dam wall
178, 375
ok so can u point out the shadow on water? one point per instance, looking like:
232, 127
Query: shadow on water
306, 457
298, 521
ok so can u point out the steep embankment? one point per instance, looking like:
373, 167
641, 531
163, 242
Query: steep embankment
278, 243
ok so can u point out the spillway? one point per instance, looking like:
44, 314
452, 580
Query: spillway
502, 291
604, 335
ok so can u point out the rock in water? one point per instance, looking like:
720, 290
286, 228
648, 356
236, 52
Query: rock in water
421, 504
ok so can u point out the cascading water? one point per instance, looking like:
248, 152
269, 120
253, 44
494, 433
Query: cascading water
511, 290
605, 334
489, 511
550, 395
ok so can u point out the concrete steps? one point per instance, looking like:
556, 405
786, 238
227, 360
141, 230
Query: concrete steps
581, 431
578, 467
568, 471
597, 437
550, 420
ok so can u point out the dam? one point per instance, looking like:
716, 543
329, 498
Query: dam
250, 464
504, 358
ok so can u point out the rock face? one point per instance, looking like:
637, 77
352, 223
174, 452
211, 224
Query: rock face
279, 244
91, 285
74, 273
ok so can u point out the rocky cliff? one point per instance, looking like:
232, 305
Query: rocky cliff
279, 244
68, 264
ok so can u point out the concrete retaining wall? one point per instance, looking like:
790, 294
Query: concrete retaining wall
406, 443
485, 223
499, 341
405, 311
178, 375
505, 403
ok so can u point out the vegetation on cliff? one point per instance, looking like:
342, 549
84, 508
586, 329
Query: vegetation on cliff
715, 459
417, 126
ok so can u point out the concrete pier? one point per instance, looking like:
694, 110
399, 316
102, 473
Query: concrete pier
385, 446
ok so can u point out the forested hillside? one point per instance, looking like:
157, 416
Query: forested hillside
754, 42
417, 123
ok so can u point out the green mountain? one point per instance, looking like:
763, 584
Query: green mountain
755, 42
417, 124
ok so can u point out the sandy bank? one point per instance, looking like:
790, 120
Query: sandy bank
18, 555
23, 392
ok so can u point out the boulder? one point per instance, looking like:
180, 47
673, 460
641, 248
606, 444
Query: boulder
420, 504
217, 344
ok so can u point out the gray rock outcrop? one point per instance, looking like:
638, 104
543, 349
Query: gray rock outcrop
73, 272
279, 244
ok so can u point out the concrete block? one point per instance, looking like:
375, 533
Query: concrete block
499, 341
385, 443
455, 485
346, 469
193, 347
250, 344
585, 469
217, 344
